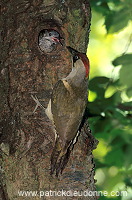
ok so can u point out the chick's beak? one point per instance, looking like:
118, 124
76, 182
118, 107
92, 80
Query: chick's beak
58, 40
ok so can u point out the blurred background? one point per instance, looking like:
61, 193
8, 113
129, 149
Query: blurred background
110, 95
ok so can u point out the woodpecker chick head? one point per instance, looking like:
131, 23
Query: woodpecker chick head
80, 57
48, 40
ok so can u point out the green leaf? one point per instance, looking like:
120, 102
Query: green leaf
123, 60
128, 154
98, 85
128, 181
117, 20
115, 158
126, 75
126, 70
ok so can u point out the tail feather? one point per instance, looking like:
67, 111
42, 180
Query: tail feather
60, 157
54, 156
63, 162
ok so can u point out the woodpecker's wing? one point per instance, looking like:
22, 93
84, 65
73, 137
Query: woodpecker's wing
67, 107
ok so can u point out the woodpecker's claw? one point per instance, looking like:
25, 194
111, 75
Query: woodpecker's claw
37, 103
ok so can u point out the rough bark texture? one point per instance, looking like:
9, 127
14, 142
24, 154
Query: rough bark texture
27, 139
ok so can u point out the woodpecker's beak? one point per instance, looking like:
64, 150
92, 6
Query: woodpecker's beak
72, 51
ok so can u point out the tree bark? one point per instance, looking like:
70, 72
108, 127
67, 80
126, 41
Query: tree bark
27, 138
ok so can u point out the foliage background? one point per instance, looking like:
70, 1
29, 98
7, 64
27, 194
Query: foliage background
110, 94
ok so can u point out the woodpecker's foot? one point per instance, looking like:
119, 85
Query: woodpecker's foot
37, 103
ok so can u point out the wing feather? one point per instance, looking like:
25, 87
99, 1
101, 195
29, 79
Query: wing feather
67, 107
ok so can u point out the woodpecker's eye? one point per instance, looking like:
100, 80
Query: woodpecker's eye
50, 34
75, 58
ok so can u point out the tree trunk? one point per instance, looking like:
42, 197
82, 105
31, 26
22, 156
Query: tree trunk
27, 138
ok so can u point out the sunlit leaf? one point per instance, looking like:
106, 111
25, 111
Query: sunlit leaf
129, 92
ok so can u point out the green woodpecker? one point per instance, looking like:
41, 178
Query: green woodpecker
66, 109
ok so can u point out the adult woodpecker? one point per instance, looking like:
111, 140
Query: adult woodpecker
66, 109
48, 40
